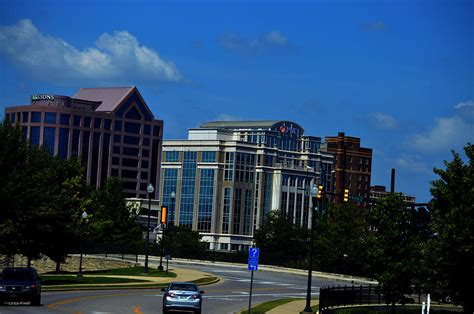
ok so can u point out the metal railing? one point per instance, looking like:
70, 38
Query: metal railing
352, 295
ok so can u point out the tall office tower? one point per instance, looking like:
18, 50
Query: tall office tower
353, 165
226, 176
111, 129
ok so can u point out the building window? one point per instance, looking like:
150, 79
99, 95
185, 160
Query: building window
131, 127
35, 135
107, 123
132, 140
118, 126
48, 139
147, 129
75, 143
63, 142
247, 212
206, 192
229, 166
97, 122
170, 184
208, 156
127, 162
87, 122
237, 210
187, 189
146, 142
25, 116
50, 117
36, 116
172, 156
156, 130
226, 210
64, 118
131, 151
77, 120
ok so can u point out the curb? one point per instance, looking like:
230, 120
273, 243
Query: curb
122, 287
352, 279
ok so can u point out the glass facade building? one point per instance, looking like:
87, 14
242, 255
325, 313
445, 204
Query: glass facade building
112, 130
228, 175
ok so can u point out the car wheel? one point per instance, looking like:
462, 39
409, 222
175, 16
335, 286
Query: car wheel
36, 301
198, 311
165, 310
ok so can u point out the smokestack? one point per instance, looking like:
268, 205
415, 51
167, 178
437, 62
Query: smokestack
392, 184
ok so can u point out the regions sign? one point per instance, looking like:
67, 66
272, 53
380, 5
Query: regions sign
39, 97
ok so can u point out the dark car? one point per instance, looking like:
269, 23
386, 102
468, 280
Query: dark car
184, 296
20, 285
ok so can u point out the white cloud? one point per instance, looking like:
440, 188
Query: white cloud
448, 132
414, 163
115, 57
273, 39
382, 121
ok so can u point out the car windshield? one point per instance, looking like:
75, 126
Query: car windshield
21, 275
183, 287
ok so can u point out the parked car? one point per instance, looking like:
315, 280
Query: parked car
20, 285
185, 296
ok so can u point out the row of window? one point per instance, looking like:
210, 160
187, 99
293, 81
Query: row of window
174, 156
81, 121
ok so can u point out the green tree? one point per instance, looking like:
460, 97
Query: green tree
111, 219
281, 242
341, 239
69, 197
453, 226
24, 190
395, 246
184, 242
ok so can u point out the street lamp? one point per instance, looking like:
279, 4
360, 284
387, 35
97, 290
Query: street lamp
84, 219
307, 309
150, 189
170, 227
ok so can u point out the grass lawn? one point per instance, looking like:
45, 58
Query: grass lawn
49, 280
267, 306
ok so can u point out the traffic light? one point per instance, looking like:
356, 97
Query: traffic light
346, 195
164, 215
320, 191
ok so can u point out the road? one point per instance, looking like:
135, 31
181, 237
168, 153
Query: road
231, 294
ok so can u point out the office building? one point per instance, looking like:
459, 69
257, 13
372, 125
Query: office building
379, 191
353, 165
228, 175
111, 129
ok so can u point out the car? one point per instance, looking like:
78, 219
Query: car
20, 284
183, 296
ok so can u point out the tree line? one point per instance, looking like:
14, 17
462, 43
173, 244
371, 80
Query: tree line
406, 249
42, 200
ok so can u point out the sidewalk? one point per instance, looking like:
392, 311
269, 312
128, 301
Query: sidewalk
292, 307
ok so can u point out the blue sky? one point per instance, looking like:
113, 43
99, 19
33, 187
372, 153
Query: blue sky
397, 74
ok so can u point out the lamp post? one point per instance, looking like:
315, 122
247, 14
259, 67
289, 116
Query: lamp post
84, 219
307, 309
150, 189
170, 228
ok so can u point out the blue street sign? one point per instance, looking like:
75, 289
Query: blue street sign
254, 252
253, 258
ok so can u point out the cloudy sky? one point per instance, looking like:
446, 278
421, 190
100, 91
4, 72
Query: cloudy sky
397, 74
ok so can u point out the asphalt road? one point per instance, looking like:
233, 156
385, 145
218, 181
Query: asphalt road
231, 294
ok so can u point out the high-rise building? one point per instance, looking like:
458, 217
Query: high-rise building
111, 129
353, 165
226, 176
